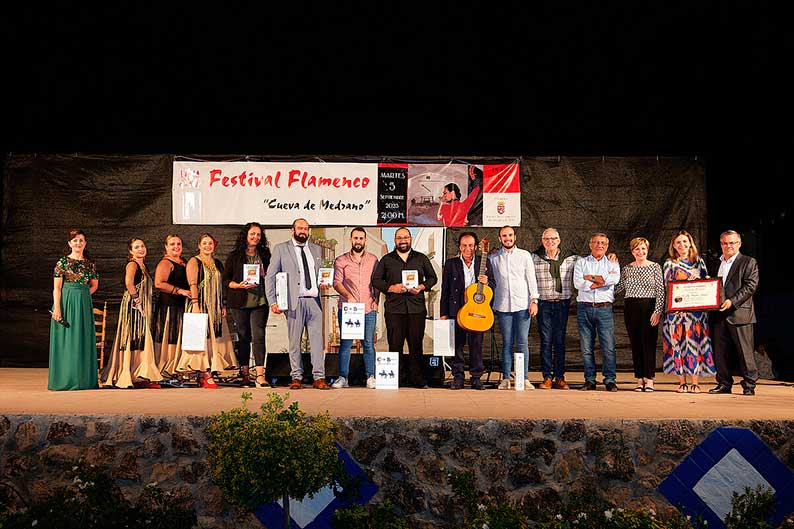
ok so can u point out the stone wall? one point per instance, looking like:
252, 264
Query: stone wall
532, 461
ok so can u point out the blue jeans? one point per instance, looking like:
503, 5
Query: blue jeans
552, 323
515, 327
599, 320
368, 344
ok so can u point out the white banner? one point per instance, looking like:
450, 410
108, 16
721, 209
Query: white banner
275, 193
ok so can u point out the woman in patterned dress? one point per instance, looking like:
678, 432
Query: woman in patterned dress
170, 279
204, 274
687, 344
132, 360
73, 360
644, 286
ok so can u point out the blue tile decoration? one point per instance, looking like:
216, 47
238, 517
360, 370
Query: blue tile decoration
727, 461
316, 513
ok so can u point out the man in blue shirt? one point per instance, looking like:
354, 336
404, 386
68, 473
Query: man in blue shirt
595, 277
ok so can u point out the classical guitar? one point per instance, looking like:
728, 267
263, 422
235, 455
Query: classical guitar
476, 313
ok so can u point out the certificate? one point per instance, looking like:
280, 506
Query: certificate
411, 279
700, 294
387, 370
325, 277
251, 274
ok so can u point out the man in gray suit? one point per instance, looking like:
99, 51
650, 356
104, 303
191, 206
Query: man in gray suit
732, 326
301, 260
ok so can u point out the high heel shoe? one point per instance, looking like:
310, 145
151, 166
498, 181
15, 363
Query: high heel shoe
245, 379
208, 382
262, 384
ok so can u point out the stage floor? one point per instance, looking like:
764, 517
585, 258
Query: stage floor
24, 391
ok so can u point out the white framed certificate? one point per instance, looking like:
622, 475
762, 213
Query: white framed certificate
387, 370
251, 274
194, 331
352, 321
411, 278
444, 337
325, 277
282, 291
698, 294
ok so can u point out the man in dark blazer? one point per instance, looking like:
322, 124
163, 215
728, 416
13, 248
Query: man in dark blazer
732, 326
459, 273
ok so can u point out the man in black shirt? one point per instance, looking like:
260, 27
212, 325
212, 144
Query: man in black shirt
404, 308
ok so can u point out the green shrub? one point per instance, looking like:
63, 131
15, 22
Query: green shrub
93, 500
751, 509
377, 516
279, 453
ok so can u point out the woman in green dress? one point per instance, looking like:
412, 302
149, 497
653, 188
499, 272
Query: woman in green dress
73, 360
132, 361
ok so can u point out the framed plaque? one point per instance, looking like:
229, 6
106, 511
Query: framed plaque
700, 294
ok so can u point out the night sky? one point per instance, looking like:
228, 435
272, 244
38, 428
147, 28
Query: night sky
699, 79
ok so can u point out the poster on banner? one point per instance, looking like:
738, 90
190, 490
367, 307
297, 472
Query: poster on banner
353, 321
460, 194
275, 192
444, 337
387, 370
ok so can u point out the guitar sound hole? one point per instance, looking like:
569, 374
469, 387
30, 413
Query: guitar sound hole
478, 298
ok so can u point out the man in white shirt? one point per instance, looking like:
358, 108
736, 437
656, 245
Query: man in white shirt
732, 326
595, 277
515, 301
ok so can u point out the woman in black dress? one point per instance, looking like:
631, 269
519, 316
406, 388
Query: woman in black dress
170, 278
246, 298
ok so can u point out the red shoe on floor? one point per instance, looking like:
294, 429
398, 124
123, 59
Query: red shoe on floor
208, 382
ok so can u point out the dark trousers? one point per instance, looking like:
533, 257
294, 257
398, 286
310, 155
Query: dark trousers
400, 327
475, 352
642, 335
250, 325
733, 342
552, 325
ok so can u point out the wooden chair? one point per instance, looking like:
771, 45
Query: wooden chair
100, 318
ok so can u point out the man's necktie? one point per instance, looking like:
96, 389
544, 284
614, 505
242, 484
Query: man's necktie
307, 277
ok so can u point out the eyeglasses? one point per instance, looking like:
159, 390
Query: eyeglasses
551, 238
730, 243
599, 243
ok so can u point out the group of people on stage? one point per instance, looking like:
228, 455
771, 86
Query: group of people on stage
147, 348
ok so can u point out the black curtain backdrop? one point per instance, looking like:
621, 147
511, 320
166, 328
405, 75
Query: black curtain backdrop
113, 198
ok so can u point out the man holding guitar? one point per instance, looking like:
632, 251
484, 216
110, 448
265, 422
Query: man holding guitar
466, 297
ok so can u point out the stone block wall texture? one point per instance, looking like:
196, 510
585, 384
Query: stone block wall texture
535, 462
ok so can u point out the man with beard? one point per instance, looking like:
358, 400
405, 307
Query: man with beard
353, 280
515, 301
301, 260
405, 309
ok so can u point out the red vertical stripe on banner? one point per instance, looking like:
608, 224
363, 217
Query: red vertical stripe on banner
501, 178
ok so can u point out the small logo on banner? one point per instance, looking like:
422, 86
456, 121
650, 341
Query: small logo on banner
501, 207
189, 178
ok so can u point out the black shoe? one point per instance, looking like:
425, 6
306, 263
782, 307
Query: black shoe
456, 384
720, 388
476, 383
748, 391
589, 386
611, 386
